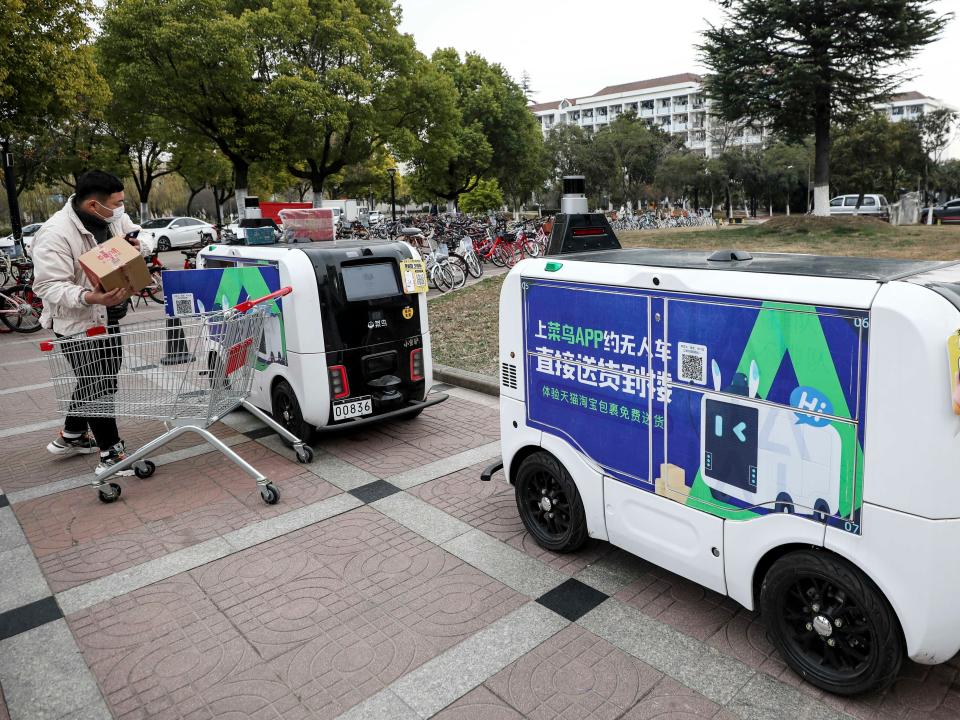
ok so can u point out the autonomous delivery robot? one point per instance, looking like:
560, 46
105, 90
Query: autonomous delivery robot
352, 343
783, 429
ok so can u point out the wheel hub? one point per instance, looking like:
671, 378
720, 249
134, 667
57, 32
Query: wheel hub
823, 626
545, 504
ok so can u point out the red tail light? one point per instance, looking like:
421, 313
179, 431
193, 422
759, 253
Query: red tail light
339, 386
416, 364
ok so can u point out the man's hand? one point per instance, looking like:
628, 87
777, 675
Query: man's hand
133, 240
102, 297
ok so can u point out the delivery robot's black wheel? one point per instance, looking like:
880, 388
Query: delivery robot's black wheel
144, 469
286, 411
830, 623
270, 494
304, 454
549, 503
111, 495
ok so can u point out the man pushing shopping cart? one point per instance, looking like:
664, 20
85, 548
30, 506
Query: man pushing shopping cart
214, 378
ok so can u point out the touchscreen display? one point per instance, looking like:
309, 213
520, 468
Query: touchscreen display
369, 282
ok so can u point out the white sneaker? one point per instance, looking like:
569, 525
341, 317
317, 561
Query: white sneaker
64, 447
110, 458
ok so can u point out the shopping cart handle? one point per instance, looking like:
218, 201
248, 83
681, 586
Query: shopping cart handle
247, 304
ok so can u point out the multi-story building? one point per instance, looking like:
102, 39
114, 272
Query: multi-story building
911, 105
675, 104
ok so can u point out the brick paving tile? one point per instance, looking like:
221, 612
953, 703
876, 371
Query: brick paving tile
166, 652
77, 538
357, 568
670, 699
27, 463
24, 408
574, 674
446, 429
15, 376
685, 605
487, 506
479, 704
491, 507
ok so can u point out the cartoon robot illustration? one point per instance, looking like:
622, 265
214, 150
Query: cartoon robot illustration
780, 458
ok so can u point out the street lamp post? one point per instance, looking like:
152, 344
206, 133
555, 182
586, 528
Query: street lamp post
393, 193
10, 180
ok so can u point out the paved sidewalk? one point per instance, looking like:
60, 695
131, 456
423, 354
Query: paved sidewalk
389, 582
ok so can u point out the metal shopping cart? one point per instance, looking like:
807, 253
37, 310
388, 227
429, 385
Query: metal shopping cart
188, 371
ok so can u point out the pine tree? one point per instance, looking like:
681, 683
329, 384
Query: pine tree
796, 66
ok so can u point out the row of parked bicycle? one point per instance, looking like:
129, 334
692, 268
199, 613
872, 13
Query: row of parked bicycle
664, 219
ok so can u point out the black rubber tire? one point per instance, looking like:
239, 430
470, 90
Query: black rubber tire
155, 291
270, 494
144, 469
163, 244
304, 454
113, 497
865, 605
15, 322
286, 411
543, 468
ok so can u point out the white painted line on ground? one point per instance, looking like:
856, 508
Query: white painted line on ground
87, 478
28, 361
46, 678
445, 466
138, 576
26, 388
454, 673
510, 566
24, 429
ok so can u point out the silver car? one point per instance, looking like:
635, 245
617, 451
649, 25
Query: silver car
872, 204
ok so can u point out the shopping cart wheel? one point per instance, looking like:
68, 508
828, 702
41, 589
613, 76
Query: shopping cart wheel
304, 454
270, 494
144, 469
112, 496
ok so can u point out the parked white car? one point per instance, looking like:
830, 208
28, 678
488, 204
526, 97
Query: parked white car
161, 234
872, 205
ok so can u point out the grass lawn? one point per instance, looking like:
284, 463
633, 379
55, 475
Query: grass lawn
464, 323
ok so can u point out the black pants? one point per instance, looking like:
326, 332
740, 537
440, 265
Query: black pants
95, 362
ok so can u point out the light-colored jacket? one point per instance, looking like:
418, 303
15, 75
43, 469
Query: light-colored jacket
58, 278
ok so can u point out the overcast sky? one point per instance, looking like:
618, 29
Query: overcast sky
573, 48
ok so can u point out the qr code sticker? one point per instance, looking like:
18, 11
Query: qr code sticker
182, 304
692, 362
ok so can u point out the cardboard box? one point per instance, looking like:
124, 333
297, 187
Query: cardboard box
115, 264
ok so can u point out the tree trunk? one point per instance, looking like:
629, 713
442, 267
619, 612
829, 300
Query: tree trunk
240, 175
145, 210
821, 167
729, 201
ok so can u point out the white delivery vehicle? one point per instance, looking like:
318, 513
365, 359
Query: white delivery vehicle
778, 428
351, 344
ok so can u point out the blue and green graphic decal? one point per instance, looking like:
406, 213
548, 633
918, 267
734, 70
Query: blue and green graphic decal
735, 407
205, 290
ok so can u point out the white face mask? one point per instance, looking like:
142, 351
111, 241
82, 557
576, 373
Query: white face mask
116, 213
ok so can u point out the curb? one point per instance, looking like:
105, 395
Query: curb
466, 379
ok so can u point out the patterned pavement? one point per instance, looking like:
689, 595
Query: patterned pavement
388, 582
